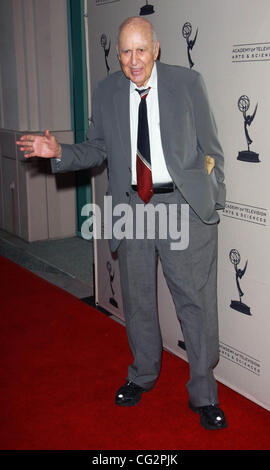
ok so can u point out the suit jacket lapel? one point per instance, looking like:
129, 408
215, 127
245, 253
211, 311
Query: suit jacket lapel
166, 109
121, 104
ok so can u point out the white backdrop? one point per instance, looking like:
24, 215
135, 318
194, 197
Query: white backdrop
232, 51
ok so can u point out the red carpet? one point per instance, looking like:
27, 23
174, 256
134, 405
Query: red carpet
61, 364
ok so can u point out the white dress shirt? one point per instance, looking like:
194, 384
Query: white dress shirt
160, 173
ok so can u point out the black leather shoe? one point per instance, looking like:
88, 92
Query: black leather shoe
212, 417
129, 394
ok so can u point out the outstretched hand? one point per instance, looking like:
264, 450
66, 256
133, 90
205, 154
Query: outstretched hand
45, 146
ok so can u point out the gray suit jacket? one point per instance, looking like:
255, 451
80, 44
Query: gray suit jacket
188, 134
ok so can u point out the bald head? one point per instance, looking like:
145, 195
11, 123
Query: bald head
138, 21
138, 49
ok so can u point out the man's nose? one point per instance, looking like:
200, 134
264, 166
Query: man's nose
133, 58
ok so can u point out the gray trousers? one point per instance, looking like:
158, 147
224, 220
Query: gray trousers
192, 279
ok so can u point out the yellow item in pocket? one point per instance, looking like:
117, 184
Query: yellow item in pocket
209, 164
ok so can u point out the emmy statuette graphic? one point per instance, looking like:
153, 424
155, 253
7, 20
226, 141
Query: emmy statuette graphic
147, 9
111, 274
243, 106
103, 43
186, 32
239, 273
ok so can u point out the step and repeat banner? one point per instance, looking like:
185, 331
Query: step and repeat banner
228, 42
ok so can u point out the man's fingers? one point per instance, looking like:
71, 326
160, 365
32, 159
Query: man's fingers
38, 145
25, 142
29, 154
26, 146
29, 137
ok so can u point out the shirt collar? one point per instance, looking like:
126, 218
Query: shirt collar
152, 82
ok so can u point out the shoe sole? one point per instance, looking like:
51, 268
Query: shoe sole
204, 423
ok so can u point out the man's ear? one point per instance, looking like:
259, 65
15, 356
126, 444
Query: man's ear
156, 50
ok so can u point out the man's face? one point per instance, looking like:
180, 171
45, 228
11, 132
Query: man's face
135, 52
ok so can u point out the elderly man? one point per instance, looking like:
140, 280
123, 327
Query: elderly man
153, 124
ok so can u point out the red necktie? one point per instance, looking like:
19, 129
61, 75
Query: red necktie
143, 159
